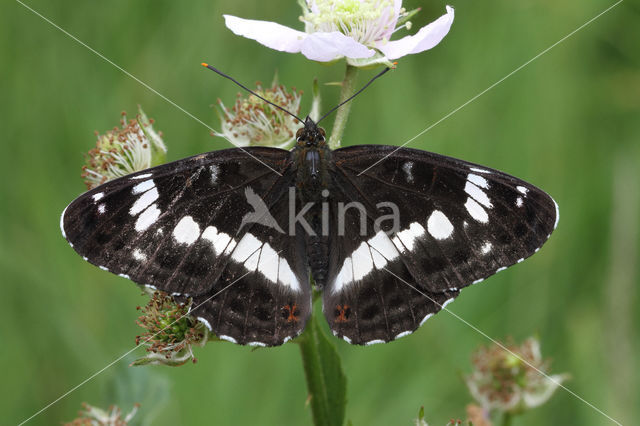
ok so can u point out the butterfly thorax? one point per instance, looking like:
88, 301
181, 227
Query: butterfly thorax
312, 158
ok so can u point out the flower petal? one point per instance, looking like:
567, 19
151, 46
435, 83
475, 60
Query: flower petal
325, 47
428, 37
270, 34
390, 15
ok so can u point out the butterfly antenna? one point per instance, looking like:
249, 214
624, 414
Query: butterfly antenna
355, 94
250, 91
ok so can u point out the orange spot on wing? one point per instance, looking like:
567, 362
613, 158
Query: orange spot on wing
292, 312
342, 313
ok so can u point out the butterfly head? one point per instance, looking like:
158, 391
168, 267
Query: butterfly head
310, 135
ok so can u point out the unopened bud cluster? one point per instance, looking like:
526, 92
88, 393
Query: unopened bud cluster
512, 380
170, 331
251, 121
94, 416
132, 147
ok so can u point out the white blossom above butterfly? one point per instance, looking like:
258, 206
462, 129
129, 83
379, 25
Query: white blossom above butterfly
355, 29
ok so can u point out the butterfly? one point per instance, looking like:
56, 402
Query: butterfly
388, 246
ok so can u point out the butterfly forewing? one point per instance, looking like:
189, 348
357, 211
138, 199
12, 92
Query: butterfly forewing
179, 228
458, 224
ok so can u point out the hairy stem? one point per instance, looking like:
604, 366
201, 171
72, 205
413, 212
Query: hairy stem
342, 114
326, 382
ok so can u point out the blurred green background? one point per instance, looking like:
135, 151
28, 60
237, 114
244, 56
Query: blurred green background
569, 123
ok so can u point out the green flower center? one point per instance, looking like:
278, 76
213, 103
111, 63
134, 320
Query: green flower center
366, 21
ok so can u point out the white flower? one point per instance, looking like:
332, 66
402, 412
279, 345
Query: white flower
359, 30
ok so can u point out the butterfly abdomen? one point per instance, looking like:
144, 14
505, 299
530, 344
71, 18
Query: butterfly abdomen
318, 255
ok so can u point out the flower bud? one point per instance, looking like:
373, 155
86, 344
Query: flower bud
133, 147
252, 121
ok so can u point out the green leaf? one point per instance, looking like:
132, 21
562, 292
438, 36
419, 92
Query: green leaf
326, 381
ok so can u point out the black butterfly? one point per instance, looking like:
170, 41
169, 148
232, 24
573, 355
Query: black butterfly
195, 226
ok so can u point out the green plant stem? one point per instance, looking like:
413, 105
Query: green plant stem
342, 114
507, 419
326, 382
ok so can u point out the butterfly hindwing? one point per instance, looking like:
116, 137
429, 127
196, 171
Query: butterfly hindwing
458, 224
179, 228
367, 299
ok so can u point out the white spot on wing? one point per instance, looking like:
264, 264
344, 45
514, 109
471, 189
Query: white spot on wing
407, 167
396, 242
362, 262
246, 247
475, 169
345, 276
476, 211
206, 324
102, 208
104, 268
142, 176
228, 338
286, 275
374, 342
383, 245
477, 194
411, 234
98, 196
147, 218
346, 339
478, 180
257, 344
478, 281
251, 264
215, 172
268, 265
439, 225
555, 225
522, 189
501, 269
378, 260
139, 255
219, 240
377, 251
519, 202
446, 302
143, 186
425, 318
486, 247
186, 231
144, 201
62, 222
404, 333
